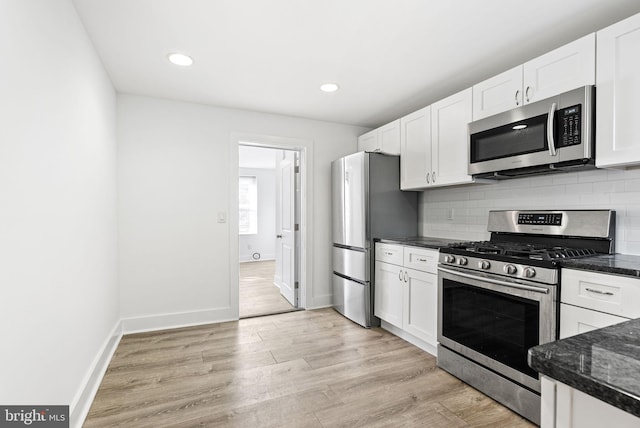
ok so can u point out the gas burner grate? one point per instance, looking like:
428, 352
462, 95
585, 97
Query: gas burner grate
523, 250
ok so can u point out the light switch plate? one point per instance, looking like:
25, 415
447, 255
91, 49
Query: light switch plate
222, 217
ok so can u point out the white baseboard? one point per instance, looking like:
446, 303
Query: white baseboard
427, 347
177, 320
81, 404
318, 302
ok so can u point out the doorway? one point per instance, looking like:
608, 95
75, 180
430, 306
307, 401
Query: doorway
269, 217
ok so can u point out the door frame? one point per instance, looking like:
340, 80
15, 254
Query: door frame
305, 148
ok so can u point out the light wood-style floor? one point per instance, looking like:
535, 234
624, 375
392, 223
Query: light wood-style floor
299, 369
258, 294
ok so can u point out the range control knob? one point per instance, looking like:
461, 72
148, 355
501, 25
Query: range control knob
510, 269
462, 261
449, 259
484, 265
529, 272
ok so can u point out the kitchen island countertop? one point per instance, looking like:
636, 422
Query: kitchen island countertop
603, 363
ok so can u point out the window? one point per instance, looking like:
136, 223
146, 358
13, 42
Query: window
248, 207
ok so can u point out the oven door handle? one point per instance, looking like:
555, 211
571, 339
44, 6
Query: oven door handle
496, 281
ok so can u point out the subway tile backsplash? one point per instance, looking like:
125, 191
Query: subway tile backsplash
618, 190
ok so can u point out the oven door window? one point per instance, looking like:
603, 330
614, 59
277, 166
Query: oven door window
501, 326
518, 138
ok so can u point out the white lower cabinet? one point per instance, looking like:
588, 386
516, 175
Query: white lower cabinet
388, 293
591, 300
419, 307
565, 407
406, 289
575, 320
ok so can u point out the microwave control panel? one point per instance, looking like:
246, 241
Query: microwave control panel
569, 126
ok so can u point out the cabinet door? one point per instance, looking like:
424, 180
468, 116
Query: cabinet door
369, 142
497, 94
567, 407
389, 138
420, 307
618, 100
388, 293
575, 320
568, 67
449, 139
415, 149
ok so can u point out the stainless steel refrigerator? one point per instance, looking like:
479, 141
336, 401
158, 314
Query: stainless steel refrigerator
367, 204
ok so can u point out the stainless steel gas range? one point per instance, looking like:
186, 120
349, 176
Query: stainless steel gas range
498, 298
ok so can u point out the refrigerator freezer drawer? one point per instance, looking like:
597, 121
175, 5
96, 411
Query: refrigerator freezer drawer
351, 263
352, 300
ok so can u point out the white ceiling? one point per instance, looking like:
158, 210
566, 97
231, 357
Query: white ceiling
389, 57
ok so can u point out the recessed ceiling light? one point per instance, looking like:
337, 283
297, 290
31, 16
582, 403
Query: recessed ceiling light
518, 127
329, 87
180, 59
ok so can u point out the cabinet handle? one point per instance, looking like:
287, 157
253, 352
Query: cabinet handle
400, 275
428, 177
405, 276
388, 253
526, 94
517, 97
422, 260
604, 293
433, 177
551, 117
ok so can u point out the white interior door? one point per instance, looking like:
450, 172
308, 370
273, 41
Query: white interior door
285, 227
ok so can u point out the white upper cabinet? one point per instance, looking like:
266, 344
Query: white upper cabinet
497, 94
415, 149
389, 138
568, 67
368, 142
449, 139
618, 94
385, 139
563, 69
434, 144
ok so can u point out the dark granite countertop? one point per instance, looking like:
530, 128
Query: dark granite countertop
420, 241
603, 363
617, 264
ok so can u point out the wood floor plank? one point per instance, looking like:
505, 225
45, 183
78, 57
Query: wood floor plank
300, 369
258, 294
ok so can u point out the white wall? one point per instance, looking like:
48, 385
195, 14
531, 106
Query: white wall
174, 168
264, 242
598, 189
59, 301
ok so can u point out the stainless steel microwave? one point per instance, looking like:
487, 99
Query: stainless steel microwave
551, 135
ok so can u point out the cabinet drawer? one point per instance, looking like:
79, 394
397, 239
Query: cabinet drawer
389, 253
422, 259
611, 294
575, 320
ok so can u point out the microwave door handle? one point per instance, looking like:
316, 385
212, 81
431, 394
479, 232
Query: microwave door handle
550, 126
